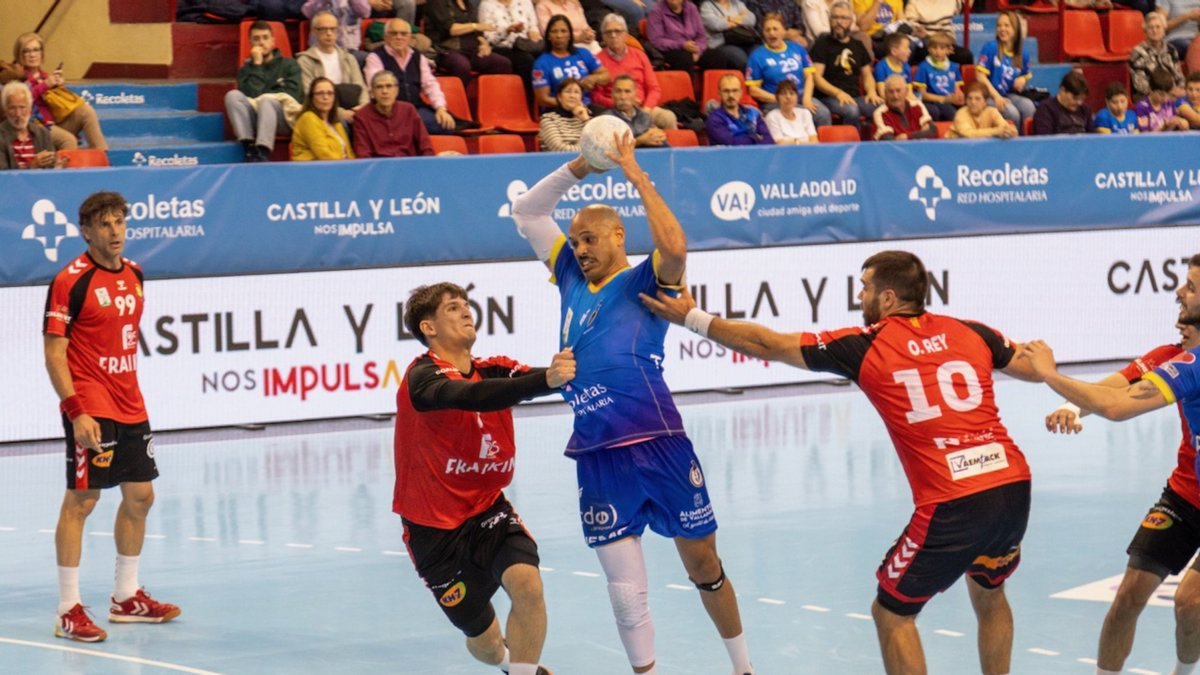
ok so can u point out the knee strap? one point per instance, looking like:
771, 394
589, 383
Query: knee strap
714, 586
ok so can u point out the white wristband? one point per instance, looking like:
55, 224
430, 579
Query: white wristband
1070, 407
697, 321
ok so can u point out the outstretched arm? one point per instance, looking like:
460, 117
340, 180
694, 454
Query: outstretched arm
1065, 418
665, 230
1108, 402
532, 210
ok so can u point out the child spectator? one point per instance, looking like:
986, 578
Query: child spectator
1188, 105
898, 50
1116, 117
1156, 112
940, 80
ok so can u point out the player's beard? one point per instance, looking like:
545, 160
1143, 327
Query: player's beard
1188, 319
871, 312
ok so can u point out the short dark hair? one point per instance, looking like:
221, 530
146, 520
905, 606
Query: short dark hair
261, 25
975, 87
1074, 84
892, 41
1194, 261
624, 77
1193, 76
786, 85
423, 303
1162, 79
100, 204
901, 271
1113, 90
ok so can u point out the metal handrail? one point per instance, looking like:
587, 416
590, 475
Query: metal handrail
46, 16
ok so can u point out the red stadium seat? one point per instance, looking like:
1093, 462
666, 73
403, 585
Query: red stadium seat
85, 158
444, 143
942, 128
503, 105
676, 85
281, 39
1082, 37
1125, 31
838, 133
682, 138
968, 73
1027, 127
500, 144
456, 102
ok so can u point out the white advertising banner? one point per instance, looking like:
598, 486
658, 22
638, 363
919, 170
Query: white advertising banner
235, 350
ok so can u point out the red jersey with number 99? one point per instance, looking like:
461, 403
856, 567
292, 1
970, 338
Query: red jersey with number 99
930, 378
99, 311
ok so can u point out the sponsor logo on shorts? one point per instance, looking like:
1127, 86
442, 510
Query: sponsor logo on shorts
454, 595
978, 460
103, 460
149, 438
695, 475
599, 516
1156, 520
997, 563
494, 520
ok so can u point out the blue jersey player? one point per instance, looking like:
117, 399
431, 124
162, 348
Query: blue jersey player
635, 465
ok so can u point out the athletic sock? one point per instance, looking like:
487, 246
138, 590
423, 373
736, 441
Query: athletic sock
523, 669
1101, 671
504, 661
739, 654
1182, 668
127, 577
68, 588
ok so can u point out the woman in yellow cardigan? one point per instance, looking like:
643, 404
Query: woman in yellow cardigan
319, 134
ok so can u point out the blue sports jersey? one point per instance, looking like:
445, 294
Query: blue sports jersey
938, 81
1179, 381
618, 394
767, 68
884, 70
1107, 123
549, 70
1000, 68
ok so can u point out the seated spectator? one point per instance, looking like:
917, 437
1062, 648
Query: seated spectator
1066, 113
733, 123
730, 28
267, 99
1153, 53
1004, 69
674, 28
778, 59
787, 12
977, 119
415, 75
1188, 105
24, 144
458, 35
625, 107
1156, 112
582, 34
328, 60
897, 50
560, 127
842, 69
1116, 118
516, 36
790, 124
347, 16
562, 60
319, 133
1182, 21
935, 17
29, 52
619, 59
389, 127
939, 80
901, 118
873, 16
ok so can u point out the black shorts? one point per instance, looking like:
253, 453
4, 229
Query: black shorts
463, 566
126, 455
1168, 537
979, 535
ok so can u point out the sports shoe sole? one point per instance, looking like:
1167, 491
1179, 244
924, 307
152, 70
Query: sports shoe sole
128, 618
58, 632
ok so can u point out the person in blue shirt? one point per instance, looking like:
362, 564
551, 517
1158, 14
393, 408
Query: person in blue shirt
1004, 65
561, 60
732, 123
1116, 117
897, 50
778, 59
634, 463
939, 79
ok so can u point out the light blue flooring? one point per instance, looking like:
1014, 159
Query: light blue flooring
285, 557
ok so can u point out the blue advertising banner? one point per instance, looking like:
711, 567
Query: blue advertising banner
269, 218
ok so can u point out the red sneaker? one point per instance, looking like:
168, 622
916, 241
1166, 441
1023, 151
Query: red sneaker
77, 625
141, 608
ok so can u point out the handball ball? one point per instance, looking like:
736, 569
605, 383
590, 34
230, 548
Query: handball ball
597, 140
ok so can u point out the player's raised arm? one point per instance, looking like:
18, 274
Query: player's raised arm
1107, 402
533, 211
745, 337
665, 230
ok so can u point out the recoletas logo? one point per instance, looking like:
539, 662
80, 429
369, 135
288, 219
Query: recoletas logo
49, 228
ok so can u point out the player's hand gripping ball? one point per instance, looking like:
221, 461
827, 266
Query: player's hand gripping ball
599, 140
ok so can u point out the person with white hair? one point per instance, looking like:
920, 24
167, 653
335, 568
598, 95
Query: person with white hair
619, 59
23, 143
1153, 53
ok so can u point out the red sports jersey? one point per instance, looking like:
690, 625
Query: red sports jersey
930, 378
1183, 478
452, 463
99, 311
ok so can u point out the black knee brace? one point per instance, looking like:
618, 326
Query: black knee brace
714, 586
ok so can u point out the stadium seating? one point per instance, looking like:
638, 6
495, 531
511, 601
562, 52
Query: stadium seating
676, 85
457, 104
838, 133
502, 104
499, 144
446, 143
85, 158
1083, 39
682, 138
1124, 31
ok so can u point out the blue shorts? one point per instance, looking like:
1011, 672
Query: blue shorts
657, 483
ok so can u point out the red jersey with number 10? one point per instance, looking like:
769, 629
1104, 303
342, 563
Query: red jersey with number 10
930, 378
99, 310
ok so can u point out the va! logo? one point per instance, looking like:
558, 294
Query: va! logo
929, 190
733, 201
49, 227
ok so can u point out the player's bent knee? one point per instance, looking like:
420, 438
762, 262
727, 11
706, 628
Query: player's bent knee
713, 586
630, 604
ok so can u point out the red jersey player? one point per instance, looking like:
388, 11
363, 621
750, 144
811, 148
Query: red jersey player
454, 454
930, 378
91, 340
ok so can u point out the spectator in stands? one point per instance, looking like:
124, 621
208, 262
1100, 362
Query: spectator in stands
897, 50
582, 34
1156, 112
389, 127
560, 127
30, 51
790, 124
1116, 117
778, 59
1066, 113
1004, 69
733, 123
1153, 53
619, 59
561, 60
347, 16
267, 99
841, 66
645, 134
730, 26
873, 16
415, 75
456, 31
1188, 105
1182, 17
977, 119
24, 144
319, 132
328, 60
516, 36
935, 17
901, 117
787, 12
675, 29
939, 80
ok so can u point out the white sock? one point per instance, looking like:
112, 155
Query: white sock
127, 577
1182, 668
1101, 671
503, 665
739, 654
523, 669
68, 588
